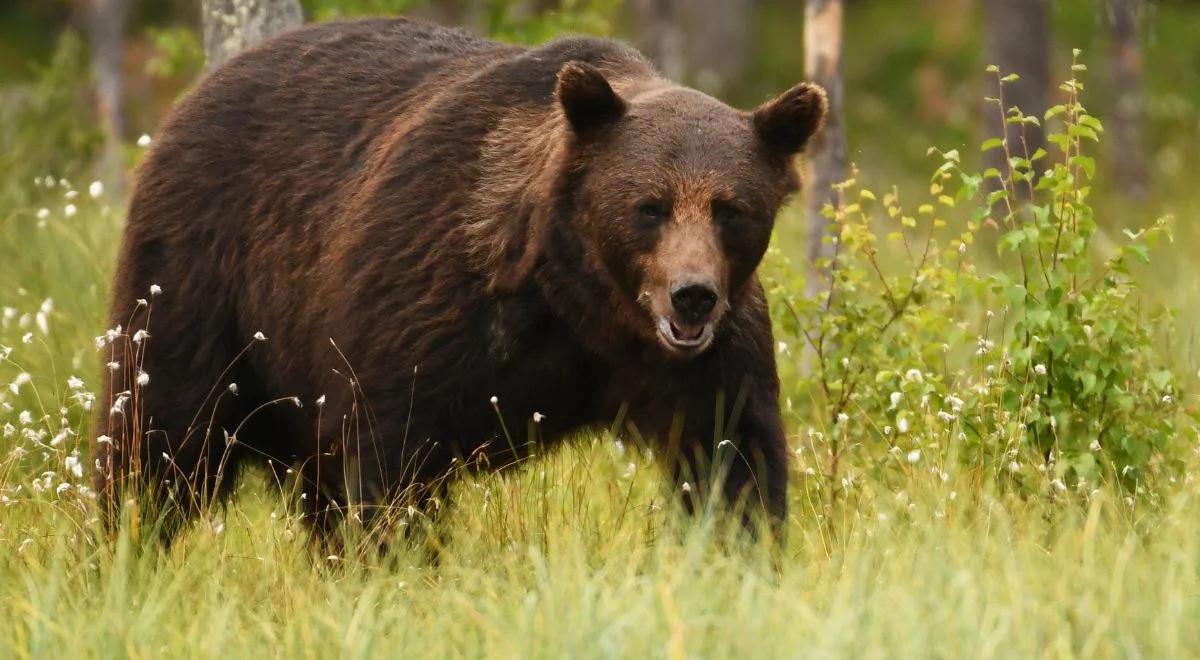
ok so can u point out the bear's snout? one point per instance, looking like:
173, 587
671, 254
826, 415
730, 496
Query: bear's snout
686, 329
693, 301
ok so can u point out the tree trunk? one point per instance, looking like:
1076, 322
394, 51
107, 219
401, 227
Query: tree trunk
703, 42
660, 35
718, 41
827, 151
231, 26
106, 28
1124, 18
1018, 36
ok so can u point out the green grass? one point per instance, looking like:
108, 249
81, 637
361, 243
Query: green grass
572, 568
579, 553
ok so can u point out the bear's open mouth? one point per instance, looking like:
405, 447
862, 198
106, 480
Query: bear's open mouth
685, 333
684, 338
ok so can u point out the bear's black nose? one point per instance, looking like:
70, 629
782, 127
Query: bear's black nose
693, 301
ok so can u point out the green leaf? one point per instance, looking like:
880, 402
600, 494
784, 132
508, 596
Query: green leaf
1059, 140
1012, 240
1088, 380
1055, 110
1087, 164
1041, 213
1083, 131
993, 143
1142, 252
1161, 379
1092, 122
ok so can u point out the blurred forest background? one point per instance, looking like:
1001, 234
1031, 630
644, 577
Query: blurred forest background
89, 76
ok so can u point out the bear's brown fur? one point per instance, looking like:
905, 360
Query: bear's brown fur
419, 220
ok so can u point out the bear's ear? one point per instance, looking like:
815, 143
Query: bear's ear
587, 100
787, 121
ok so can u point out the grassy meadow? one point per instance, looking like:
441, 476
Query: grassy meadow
995, 450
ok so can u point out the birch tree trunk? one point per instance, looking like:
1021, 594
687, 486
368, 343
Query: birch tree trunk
105, 21
823, 26
1124, 18
231, 26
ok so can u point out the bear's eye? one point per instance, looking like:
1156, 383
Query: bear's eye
651, 214
727, 213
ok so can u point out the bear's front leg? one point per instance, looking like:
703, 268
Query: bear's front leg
733, 454
720, 430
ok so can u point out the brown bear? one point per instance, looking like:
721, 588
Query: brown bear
383, 249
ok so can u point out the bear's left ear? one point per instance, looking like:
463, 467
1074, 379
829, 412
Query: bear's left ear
787, 121
587, 100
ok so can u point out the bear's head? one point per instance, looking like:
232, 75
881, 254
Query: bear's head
673, 196
678, 193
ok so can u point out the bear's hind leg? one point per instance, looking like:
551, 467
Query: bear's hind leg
163, 447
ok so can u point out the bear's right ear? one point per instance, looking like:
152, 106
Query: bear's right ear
587, 100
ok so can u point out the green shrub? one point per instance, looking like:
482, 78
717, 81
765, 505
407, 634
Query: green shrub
1038, 369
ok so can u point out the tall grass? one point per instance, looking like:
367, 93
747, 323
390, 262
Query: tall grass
561, 560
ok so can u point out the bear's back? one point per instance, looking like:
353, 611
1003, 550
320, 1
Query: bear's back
303, 108
291, 127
